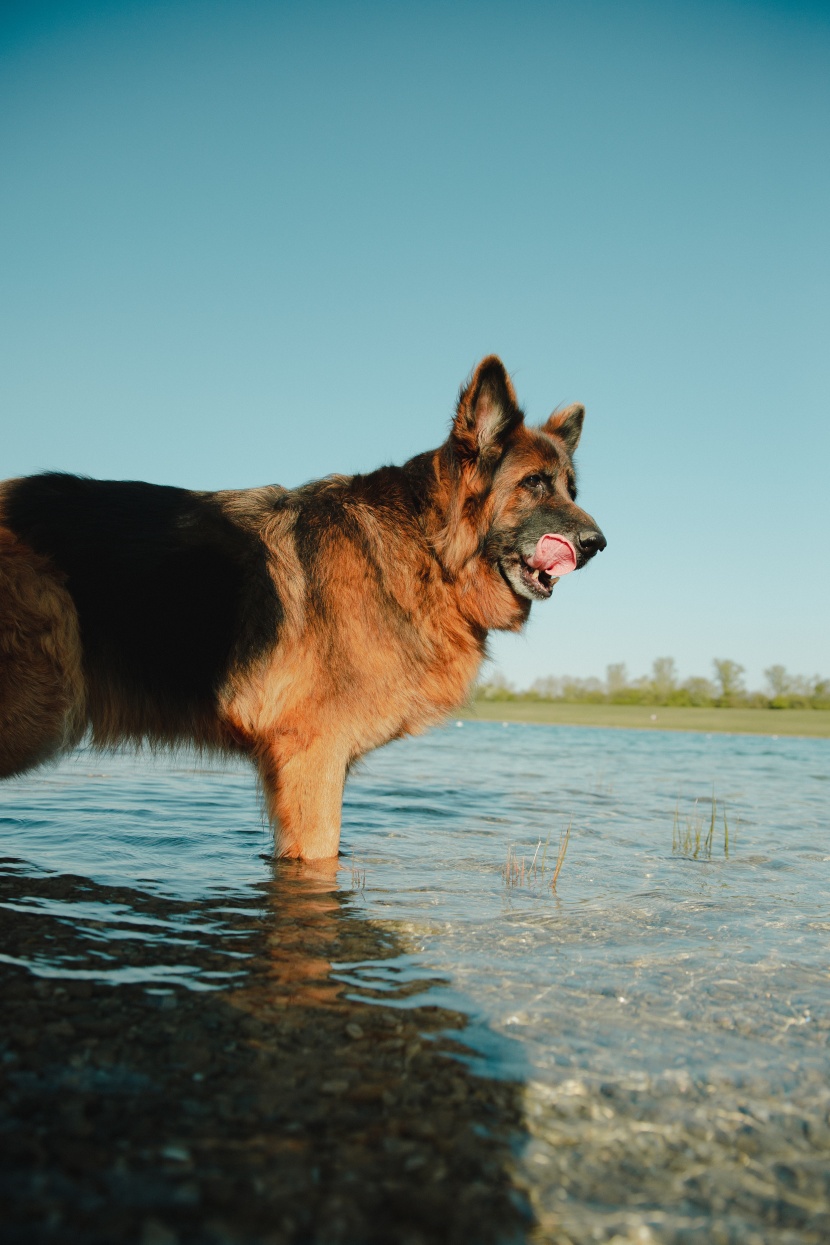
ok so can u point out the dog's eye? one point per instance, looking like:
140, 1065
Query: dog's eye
533, 482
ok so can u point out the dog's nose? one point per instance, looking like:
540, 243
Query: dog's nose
591, 541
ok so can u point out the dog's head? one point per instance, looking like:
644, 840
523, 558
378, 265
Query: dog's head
512, 517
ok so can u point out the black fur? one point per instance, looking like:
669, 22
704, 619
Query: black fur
169, 591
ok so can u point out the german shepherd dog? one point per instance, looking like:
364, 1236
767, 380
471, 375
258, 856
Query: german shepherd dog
302, 627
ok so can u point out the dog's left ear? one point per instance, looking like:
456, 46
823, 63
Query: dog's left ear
487, 412
567, 425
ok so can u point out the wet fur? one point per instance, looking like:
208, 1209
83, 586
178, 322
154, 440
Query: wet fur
301, 627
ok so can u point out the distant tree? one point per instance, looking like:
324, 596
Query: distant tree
616, 678
699, 691
795, 691
779, 681
582, 689
497, 687
547, 688
821, 693
729, 675
788, 691
663, 678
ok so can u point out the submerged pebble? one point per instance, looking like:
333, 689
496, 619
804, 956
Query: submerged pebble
198, 1046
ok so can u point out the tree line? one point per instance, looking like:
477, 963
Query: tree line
726, 688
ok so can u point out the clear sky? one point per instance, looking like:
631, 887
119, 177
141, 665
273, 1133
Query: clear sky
244, 242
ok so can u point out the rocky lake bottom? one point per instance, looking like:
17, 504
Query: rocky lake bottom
427, 1041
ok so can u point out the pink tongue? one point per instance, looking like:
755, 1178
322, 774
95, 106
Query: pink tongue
555, 555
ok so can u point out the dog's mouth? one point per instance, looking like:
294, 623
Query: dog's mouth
537, 580
527, 580
534, 575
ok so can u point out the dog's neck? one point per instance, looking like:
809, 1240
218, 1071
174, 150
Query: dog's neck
452, 506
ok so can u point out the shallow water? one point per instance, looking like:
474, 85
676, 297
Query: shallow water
659, 1022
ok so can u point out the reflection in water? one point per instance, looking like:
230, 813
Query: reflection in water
666, 1016
247, 1093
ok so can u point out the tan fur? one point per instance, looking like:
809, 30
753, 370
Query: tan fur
338, 686
380, 639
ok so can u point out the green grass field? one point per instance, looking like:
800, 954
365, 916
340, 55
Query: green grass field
655, 717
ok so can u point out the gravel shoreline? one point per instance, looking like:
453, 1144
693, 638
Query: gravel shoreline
280, 1110
291, 1106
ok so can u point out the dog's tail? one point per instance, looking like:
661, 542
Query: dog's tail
42, 698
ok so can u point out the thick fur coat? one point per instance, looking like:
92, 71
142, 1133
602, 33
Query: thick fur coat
301, 627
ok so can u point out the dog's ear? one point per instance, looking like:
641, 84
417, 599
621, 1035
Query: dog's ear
487, 412
567, 425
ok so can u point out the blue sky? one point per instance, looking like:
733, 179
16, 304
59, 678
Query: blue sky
249, 242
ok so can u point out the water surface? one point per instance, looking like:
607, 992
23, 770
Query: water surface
658, 1024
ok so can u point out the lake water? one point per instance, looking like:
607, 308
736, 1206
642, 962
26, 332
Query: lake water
654, 1029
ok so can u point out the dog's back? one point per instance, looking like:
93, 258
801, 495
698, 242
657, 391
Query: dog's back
164, 591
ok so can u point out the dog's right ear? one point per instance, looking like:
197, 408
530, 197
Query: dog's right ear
486, 415
567, 425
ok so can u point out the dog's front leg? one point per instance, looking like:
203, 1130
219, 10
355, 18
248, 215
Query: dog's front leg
303, 787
